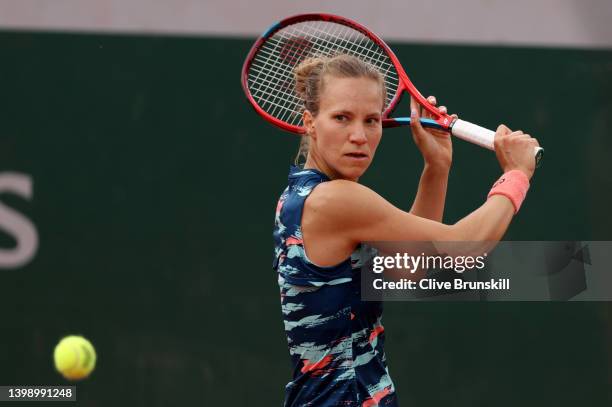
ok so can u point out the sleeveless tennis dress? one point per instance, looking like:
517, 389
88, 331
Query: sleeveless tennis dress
335, 339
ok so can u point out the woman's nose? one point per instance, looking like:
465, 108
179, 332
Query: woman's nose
358, 135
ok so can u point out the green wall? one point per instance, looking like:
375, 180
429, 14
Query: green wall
154, 190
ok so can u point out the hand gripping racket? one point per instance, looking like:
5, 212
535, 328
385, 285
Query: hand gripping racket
267, 74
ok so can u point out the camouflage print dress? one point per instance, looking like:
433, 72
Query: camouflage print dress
335, 339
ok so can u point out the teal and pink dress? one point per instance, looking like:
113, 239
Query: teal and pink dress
335, 339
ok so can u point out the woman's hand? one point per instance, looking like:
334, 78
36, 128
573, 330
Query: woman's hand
514, 150
435, 145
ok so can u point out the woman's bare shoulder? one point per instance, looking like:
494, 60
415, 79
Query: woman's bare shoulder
342, 198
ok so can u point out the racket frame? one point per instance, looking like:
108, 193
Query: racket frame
440, 120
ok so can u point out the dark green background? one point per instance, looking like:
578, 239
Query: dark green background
154, 190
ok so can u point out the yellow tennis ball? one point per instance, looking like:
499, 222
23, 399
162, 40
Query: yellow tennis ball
74, 357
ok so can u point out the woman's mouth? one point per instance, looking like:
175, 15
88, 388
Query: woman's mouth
357, 156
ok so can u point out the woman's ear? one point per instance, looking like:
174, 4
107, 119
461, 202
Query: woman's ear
308, 120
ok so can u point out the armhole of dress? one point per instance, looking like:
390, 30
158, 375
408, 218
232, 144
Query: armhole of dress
306, 258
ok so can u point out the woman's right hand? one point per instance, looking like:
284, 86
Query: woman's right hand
515, 150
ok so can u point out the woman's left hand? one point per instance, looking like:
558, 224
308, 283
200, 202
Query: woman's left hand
435, 145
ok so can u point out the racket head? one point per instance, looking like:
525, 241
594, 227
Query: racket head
267, 73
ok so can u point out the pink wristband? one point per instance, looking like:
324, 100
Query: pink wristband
513, 185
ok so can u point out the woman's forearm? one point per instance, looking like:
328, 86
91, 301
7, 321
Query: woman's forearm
480, 231
431, 195
487, 223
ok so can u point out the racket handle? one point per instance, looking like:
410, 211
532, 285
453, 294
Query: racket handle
483, 137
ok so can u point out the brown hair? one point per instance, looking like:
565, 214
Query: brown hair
309, 77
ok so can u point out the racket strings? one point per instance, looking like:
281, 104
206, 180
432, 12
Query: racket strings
345, 44
271, 74
370, 54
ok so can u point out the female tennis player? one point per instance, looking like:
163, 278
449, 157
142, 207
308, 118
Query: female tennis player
335, 339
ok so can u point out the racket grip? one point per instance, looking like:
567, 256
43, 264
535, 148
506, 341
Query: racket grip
483, 137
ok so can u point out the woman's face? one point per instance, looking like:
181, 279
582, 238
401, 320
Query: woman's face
348, 127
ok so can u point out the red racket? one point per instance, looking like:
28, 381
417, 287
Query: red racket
267, 74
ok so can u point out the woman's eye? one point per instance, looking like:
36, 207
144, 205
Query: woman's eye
340, 117
372, 120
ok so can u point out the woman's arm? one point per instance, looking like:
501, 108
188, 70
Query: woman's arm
346, 211
437, 151
357, 214
431, 195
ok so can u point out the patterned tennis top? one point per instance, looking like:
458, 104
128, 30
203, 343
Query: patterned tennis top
335, 339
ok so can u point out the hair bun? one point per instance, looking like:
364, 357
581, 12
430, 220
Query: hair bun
304, 71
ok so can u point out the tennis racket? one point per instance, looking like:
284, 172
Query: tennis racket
267, 74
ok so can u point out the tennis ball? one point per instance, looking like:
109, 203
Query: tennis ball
74, 357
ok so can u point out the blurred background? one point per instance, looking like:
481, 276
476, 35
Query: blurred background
138, 187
